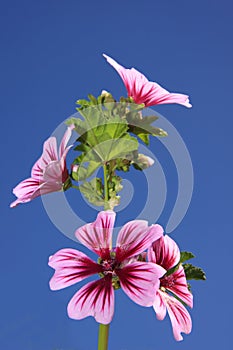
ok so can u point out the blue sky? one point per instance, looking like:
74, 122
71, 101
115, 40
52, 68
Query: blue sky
51, 55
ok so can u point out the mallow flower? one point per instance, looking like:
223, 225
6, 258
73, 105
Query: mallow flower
118, 267
48, 174
144, 91
165, 252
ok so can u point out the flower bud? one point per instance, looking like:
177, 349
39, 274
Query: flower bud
143, 161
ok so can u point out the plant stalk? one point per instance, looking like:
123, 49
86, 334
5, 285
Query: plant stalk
105, 186
103, 336
104, 328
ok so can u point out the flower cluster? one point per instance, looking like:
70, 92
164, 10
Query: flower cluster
146, 264
50, 174
125, 267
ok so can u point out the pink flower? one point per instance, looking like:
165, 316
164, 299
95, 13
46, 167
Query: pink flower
144, 91
118, 267
165, 252
48, 174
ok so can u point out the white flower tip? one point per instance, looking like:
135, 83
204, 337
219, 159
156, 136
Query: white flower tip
187, 103
104, 92
71, 127
74, 168
150, 161
52, 285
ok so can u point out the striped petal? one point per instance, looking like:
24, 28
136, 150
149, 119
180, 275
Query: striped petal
53, 172
63, 145
180, 287
135, 237
159, 306
97, 236
49, 154
94, 299
25, 191
179, 316
144, 91
140, 281
71, 266
164, 252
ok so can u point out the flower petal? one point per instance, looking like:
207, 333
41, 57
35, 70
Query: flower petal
94, 299
65, 172
159, 95
135, 237
71, 267
49, 154
65, 140
126, 75
53, 172
179, 316
98, 235
25, 191
140, 281
180, 287
164, 252
159, 306
144, 91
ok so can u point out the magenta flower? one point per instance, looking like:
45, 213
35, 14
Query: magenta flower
165, 252
118, 267
48, 174
144, 91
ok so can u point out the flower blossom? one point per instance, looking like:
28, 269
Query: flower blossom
48, 174
144, 91
165, 252
116, 267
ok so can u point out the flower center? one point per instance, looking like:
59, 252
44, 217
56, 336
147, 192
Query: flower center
167, 282
108, 268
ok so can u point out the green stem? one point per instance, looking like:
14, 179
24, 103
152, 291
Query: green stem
103, 336
105, 186
104, 328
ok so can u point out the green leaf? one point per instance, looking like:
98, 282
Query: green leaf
107, 142
92, 99
118, 148
103, 137
143, 137
83, 104
109, 150
97, 126
186, 256
194, 272
93, 191
85, 170
141, 126
108, 101
123, 164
